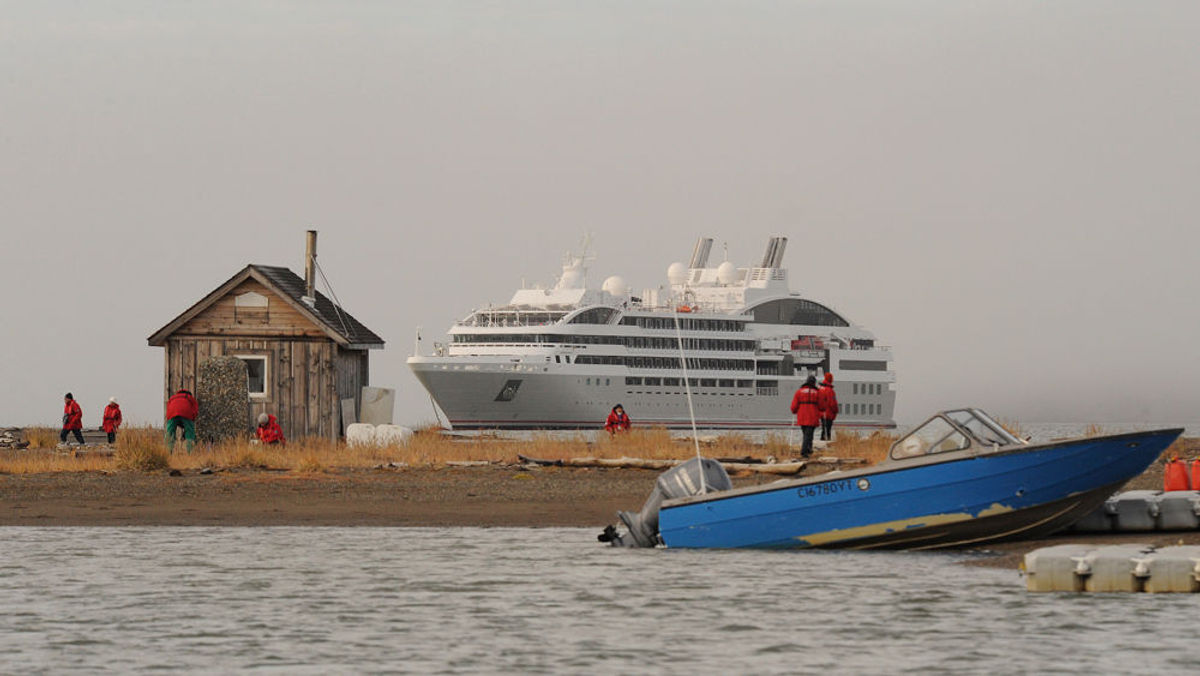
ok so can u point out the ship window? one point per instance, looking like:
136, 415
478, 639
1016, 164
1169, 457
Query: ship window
596, 315
671, 382
725, 383
633, 381
557, 359
606, 381
796, 311
654, 381
589, 381
862, 365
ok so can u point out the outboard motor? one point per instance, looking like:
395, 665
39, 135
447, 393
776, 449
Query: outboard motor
678, 482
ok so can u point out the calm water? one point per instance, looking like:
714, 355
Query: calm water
321, 600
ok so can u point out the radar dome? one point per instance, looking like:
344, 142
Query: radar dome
726, 273
677, 273
615, 286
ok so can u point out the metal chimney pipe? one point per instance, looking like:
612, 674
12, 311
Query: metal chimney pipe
310, 265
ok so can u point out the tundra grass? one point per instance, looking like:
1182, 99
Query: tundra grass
143, 449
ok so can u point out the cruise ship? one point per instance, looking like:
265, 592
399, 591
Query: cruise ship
738, 337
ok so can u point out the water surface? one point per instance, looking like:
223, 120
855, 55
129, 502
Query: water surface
470, 600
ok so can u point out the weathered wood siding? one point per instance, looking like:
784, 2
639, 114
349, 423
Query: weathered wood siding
223, 318
301, 379
352, 376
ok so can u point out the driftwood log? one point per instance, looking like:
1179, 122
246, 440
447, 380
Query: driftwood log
647, 463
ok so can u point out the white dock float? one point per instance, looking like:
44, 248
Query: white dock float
1144, 511
1179, 510
1135, 511
1113, 568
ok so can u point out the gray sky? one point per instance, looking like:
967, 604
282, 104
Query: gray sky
1005, 192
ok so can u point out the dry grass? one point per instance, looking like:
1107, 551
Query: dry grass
143, 449
41, 437
140, 453
43, 461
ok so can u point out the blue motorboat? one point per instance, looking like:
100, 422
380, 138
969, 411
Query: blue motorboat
959, 479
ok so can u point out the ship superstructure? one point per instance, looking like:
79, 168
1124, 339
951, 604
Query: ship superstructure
561, 357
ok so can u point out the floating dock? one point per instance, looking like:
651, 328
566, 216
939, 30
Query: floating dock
1143, 512
1113, 568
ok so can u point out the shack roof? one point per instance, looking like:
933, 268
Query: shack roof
338, 324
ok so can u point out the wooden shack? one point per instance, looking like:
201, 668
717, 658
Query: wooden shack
304, 354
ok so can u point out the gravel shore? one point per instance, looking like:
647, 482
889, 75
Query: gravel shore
485, 496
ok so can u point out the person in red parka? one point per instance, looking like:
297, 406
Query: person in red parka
617, 420
807, 407
181, 412
72, 420
827, 399
112, 419
268, 430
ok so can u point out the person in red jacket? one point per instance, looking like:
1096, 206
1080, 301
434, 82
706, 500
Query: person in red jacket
829, 407
268, 430
72, 420
181, 412
112, 419
807, 407
617, 420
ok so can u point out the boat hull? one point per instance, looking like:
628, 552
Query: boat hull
1011, 494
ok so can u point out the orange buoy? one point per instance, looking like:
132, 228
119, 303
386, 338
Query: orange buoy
1196, 475
1175, 475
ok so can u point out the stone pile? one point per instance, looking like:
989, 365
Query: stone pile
11, 438
224, 398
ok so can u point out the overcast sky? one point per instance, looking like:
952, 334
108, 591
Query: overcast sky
1005, 192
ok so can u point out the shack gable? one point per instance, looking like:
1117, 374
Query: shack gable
250, 309
268, 302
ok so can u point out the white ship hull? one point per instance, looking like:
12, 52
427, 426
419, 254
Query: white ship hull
549, 399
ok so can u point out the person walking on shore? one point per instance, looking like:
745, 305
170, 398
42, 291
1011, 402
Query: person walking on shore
829, 407
72, 420
806, 405
181, 412
617, 421
268, 430
112, 419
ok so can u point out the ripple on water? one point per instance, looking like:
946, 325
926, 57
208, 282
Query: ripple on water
315, 600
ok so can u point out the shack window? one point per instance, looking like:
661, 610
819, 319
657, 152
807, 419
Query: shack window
256, 374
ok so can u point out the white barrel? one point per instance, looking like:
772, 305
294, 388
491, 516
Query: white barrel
360, 434
392, 435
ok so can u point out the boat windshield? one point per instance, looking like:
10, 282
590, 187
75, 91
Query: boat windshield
952, 431
937, 435
981, 426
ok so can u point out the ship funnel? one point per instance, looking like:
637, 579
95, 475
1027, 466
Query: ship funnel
700, 253
774, 255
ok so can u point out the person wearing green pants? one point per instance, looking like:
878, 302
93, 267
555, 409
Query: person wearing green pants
181, 412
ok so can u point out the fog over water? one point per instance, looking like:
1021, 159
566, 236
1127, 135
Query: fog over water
1004, 192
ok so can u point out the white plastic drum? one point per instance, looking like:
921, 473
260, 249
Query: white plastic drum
392, 435
360, 434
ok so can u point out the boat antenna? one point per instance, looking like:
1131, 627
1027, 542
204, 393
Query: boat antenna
687, 389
